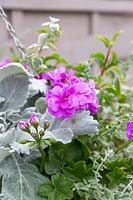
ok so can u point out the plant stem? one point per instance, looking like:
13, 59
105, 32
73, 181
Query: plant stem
130, 183
42, 154
106, 59
38, 140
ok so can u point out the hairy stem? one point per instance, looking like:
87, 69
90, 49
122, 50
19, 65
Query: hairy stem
43, 156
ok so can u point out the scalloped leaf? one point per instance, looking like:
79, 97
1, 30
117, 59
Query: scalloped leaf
14, 85
8, 137
64, 129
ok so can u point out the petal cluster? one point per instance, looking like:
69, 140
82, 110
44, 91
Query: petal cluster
55, 77
70, 94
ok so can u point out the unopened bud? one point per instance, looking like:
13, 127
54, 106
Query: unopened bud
47, 142
46, 124
34, 135
41, 132
34, 120
31, 144
24, 126
52, 140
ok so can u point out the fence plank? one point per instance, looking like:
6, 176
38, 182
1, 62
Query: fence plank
70, 5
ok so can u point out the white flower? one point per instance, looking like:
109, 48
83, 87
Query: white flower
53, 20
54, 27
52, 24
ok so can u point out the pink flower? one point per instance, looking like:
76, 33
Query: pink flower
34, 120
61, 101
129, 130
5, 62
59, 77
55, 77
24, 126
69, 94
64, 101
86, 95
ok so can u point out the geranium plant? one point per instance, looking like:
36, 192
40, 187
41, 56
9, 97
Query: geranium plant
65, 132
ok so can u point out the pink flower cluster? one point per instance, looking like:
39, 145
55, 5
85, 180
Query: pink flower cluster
129, 130
55, 77
70, 94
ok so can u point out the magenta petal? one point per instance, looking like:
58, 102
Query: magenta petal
129, 130
5, 62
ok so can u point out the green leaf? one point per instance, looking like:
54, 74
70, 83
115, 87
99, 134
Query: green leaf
55, 57
108, 99
85, 147
113, 61
111, 90
110, 74
47, 190
104, 40
115, 36
122, 163
118, 87
80, 67
60, 154
116, 177
115, 69
60, 188
99, 58
100, 97
53, 166
122, 98
20, 180
14, 83
79, 171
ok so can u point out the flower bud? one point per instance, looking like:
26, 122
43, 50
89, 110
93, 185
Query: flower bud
46, 124
47, 142
34, 120
41, 132
24, 126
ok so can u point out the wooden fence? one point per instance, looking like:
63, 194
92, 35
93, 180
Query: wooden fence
80, 20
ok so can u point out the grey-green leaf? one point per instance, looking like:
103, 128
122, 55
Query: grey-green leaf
4, 152
14, 83
64, 129
20, 180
